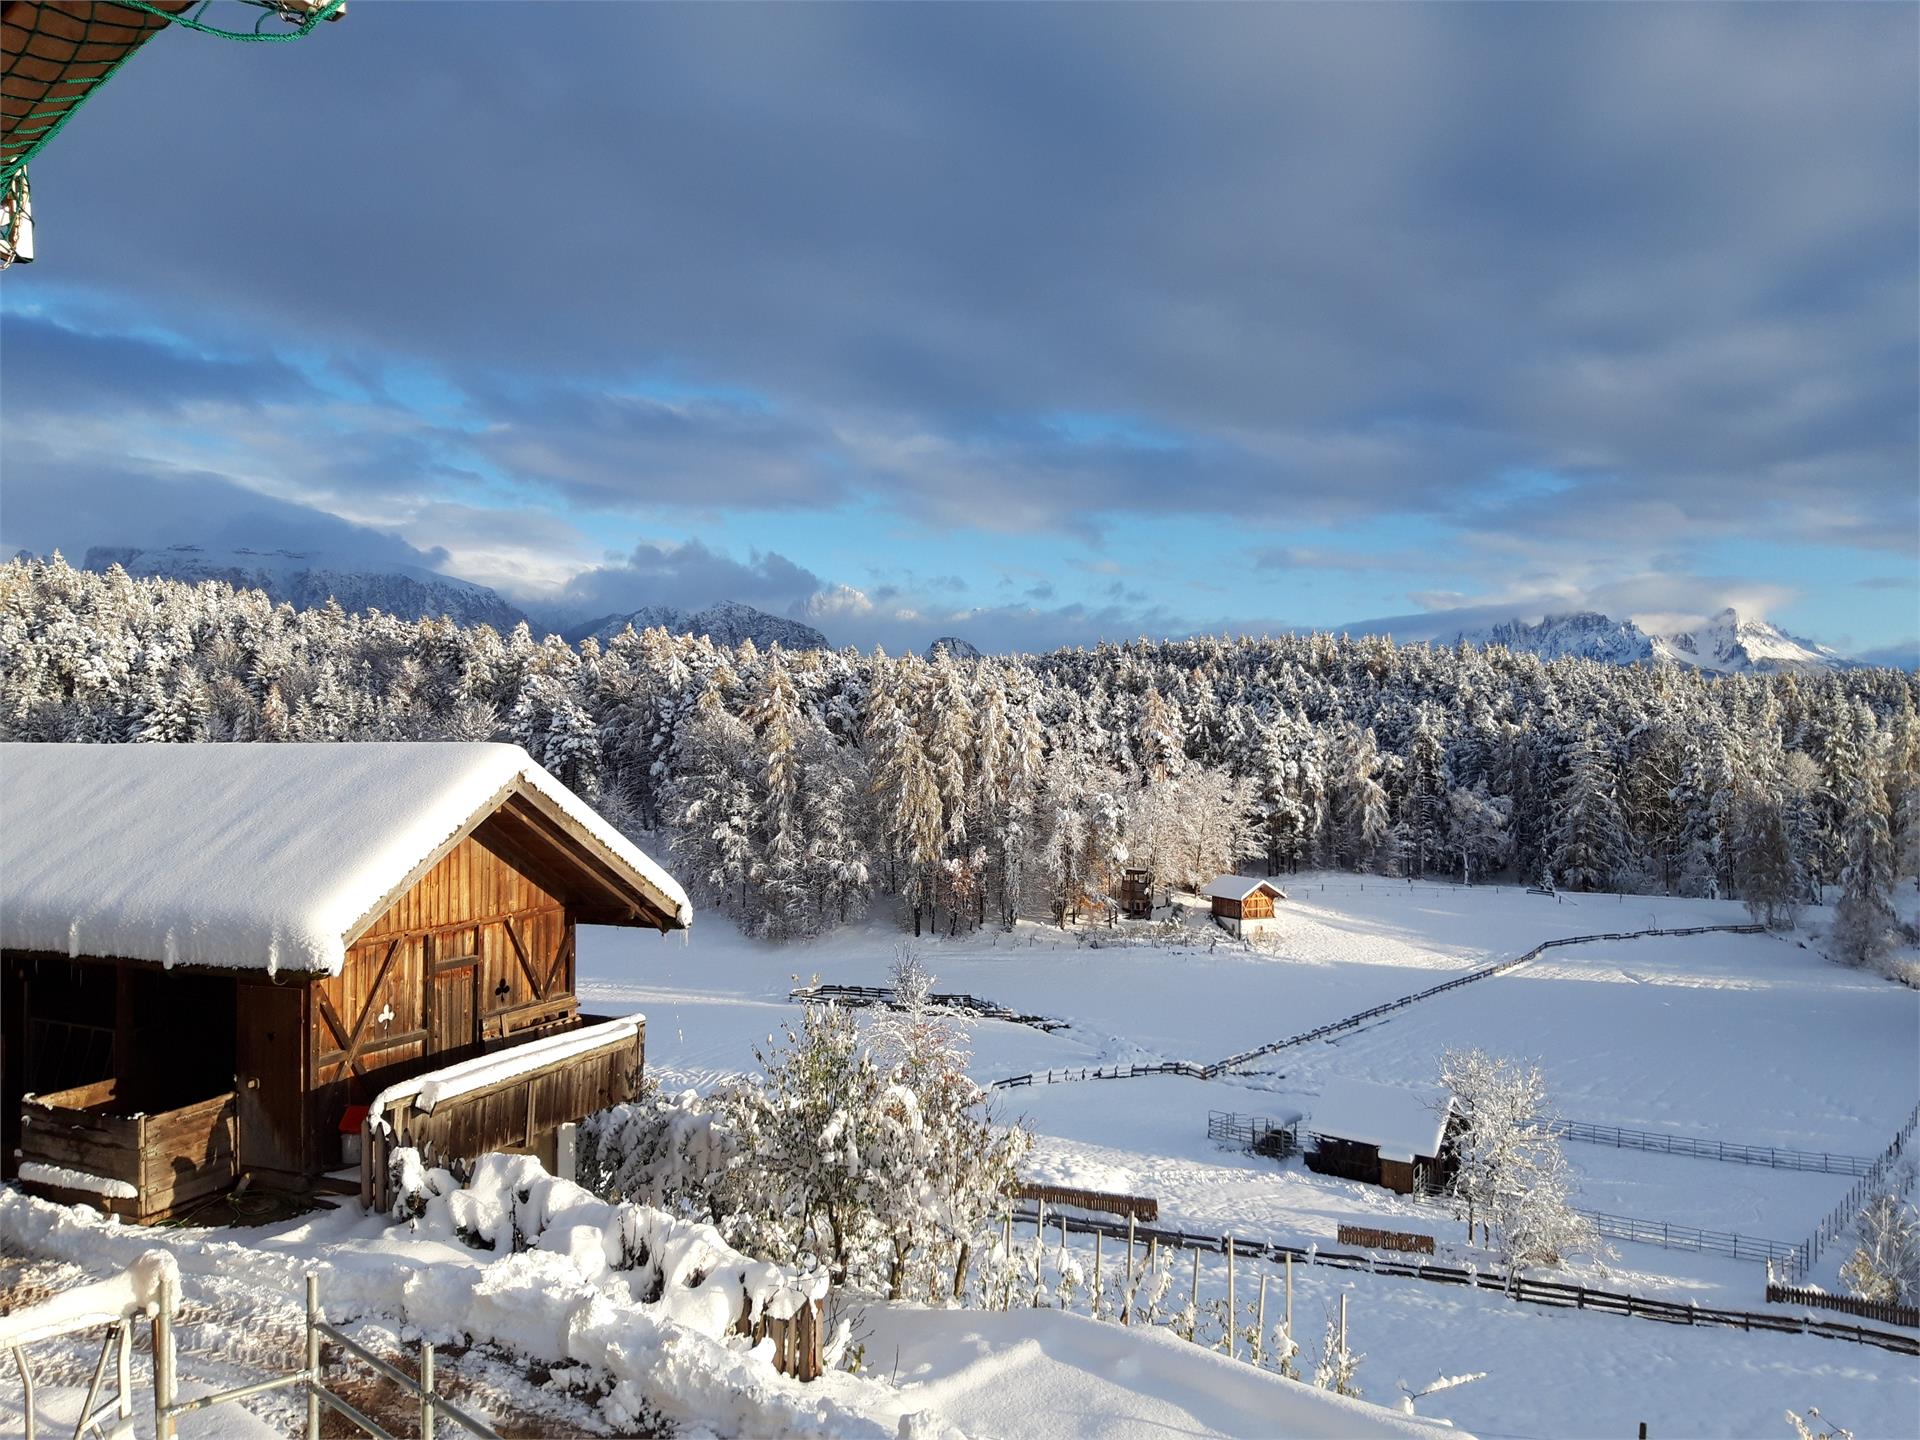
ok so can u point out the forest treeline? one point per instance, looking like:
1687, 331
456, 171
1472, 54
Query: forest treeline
796, 787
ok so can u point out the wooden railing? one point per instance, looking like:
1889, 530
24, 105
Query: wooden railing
168, 1158
520, 1110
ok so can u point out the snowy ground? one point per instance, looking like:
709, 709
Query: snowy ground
1747, 1038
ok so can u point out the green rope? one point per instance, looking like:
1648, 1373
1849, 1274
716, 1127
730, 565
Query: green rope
303, 28
65, 102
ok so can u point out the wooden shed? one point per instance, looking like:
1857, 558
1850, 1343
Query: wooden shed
1241, 905
212, 956
1385, 1135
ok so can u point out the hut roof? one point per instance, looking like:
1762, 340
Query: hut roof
1402, 1123
275, 857
1238, 887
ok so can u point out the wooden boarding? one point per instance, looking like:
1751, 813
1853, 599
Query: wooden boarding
519, 1113
171, 1158
796, 1341
1370, 1239
1106, 1202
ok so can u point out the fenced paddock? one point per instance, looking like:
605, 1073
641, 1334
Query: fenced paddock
1260, 1134
1214, 1069
1520, 1288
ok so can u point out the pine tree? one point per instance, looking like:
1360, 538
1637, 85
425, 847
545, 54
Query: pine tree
1588, 836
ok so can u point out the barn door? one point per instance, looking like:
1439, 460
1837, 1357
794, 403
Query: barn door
453, 1012
268, 1068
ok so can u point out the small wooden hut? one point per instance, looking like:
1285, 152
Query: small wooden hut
214, 957
1243, 906
1384, 1135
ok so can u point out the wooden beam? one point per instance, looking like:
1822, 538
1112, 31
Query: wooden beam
526, 965
366, 1010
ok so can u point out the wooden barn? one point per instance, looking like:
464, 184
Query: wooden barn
1382, 1135
1243, 906
1136, 893
214, 957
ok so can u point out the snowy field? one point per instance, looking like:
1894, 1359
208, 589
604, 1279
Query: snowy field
1748, 1038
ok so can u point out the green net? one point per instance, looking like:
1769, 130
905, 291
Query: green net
58, 55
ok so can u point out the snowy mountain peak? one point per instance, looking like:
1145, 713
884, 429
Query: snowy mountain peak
307, 579
1727, 645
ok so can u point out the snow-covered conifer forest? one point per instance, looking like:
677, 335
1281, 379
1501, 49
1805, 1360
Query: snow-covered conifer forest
796, 789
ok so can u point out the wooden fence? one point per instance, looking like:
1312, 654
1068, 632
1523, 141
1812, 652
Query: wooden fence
1688, 1237
1217, 1068
1519, 1287
1726, 1150
1886, 1166
1141, 1207
1908, 1315
1385, 1239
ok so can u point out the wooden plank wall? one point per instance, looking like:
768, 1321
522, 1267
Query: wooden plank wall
378, 1021
170, 1157
519, 1114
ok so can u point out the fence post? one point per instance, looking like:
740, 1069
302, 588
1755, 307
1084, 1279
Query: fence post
313, 1356
123, 1371
1260, 1323
163, 1373
426, 1390
1097, 1297
1233, 1314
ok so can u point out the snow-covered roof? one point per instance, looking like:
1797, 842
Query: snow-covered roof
1238, 887
259, 856
1403, 1123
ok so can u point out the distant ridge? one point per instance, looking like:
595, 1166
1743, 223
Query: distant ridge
307, 579
727, 623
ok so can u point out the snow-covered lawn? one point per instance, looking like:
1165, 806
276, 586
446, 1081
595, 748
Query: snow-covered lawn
1750, 1038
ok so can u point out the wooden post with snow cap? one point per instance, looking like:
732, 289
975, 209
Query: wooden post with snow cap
1260, 1322
1233, 1314
1097, 1297
1193, 1300
1290, 1339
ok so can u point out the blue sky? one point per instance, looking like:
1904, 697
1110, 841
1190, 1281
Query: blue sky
1035, 324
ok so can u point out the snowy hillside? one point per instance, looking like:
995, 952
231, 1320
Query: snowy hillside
1729, 644
307, 579
727, 623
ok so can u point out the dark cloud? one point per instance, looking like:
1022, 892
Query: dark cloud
1351, 259
51, 504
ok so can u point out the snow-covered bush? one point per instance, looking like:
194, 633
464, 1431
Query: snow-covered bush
1886, 1266
1338, 1365
1512, 1179
869, 1155
673, 1152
